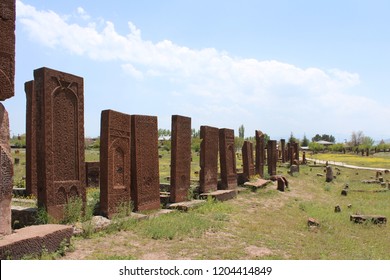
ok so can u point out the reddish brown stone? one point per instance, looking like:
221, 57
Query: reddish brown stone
33, 240
272, 157
247, 160
92, 170
6, 173
60, 134
227, 158
180, 158
7, 48
115, 161
31, 141
283, 148
145, 190
260, 153
208, 175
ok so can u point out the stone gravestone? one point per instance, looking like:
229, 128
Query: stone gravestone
180, 158
208, 175
247, 159
227, 157
272, 157
7, 48
260, 154
60, 134
329, 174
115, 161
145, 189
6, 173
7, 76
283, 148
31, 139
92, 170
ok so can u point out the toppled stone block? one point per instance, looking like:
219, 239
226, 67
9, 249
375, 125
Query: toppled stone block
311, 222
33, 240
375, 219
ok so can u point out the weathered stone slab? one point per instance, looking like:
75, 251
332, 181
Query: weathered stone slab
283, 149
375, 219
145, 190
247, 160
23, 216
185, 205
33, 239
259, 183
208, 175
260, 153
180, 158
272, 157
115, 161
92, 170
220, 195
227, 158
31, 138
6, 174
60, 134
7, 48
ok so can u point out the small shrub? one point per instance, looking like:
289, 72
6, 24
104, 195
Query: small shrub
73, 211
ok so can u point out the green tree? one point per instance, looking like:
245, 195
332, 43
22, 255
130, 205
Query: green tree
241, 131
315, 147
292, 138
305, 141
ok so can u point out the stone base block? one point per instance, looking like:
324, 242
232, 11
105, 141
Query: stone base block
33, 240
221, 195
185, 205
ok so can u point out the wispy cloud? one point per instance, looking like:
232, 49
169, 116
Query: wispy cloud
252, 85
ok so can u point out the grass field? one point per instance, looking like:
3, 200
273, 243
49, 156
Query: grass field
266, 224
378, 160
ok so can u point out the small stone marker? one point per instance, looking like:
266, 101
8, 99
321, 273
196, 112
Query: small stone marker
375, 219
329, 174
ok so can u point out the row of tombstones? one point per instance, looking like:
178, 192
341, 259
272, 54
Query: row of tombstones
129, 168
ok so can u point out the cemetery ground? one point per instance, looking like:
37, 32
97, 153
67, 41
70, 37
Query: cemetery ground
258, 224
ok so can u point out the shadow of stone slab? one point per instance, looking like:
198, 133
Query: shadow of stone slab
33, 240
220, 195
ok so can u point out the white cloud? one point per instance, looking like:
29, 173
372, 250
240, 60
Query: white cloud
215, 76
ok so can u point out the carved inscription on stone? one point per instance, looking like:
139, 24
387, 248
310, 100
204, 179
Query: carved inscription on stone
7, 48
227, 159
145, 190
247, 159
60, 134
31, 139
115, 161
6, 174
208, 175
180, 158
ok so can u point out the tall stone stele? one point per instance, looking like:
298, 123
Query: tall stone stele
60, 133
208, 174
7, 76
227, 157
180, 158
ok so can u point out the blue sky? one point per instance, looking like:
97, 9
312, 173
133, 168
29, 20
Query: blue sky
305, 67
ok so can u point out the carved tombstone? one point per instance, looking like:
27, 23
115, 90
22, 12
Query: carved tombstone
145, 190
272, 157
7, 48
208, 175
115, 161
92, 170
227, 158
6, 173
247, 160
60, 134
260, 154
180, 158
31, 139
283, 148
